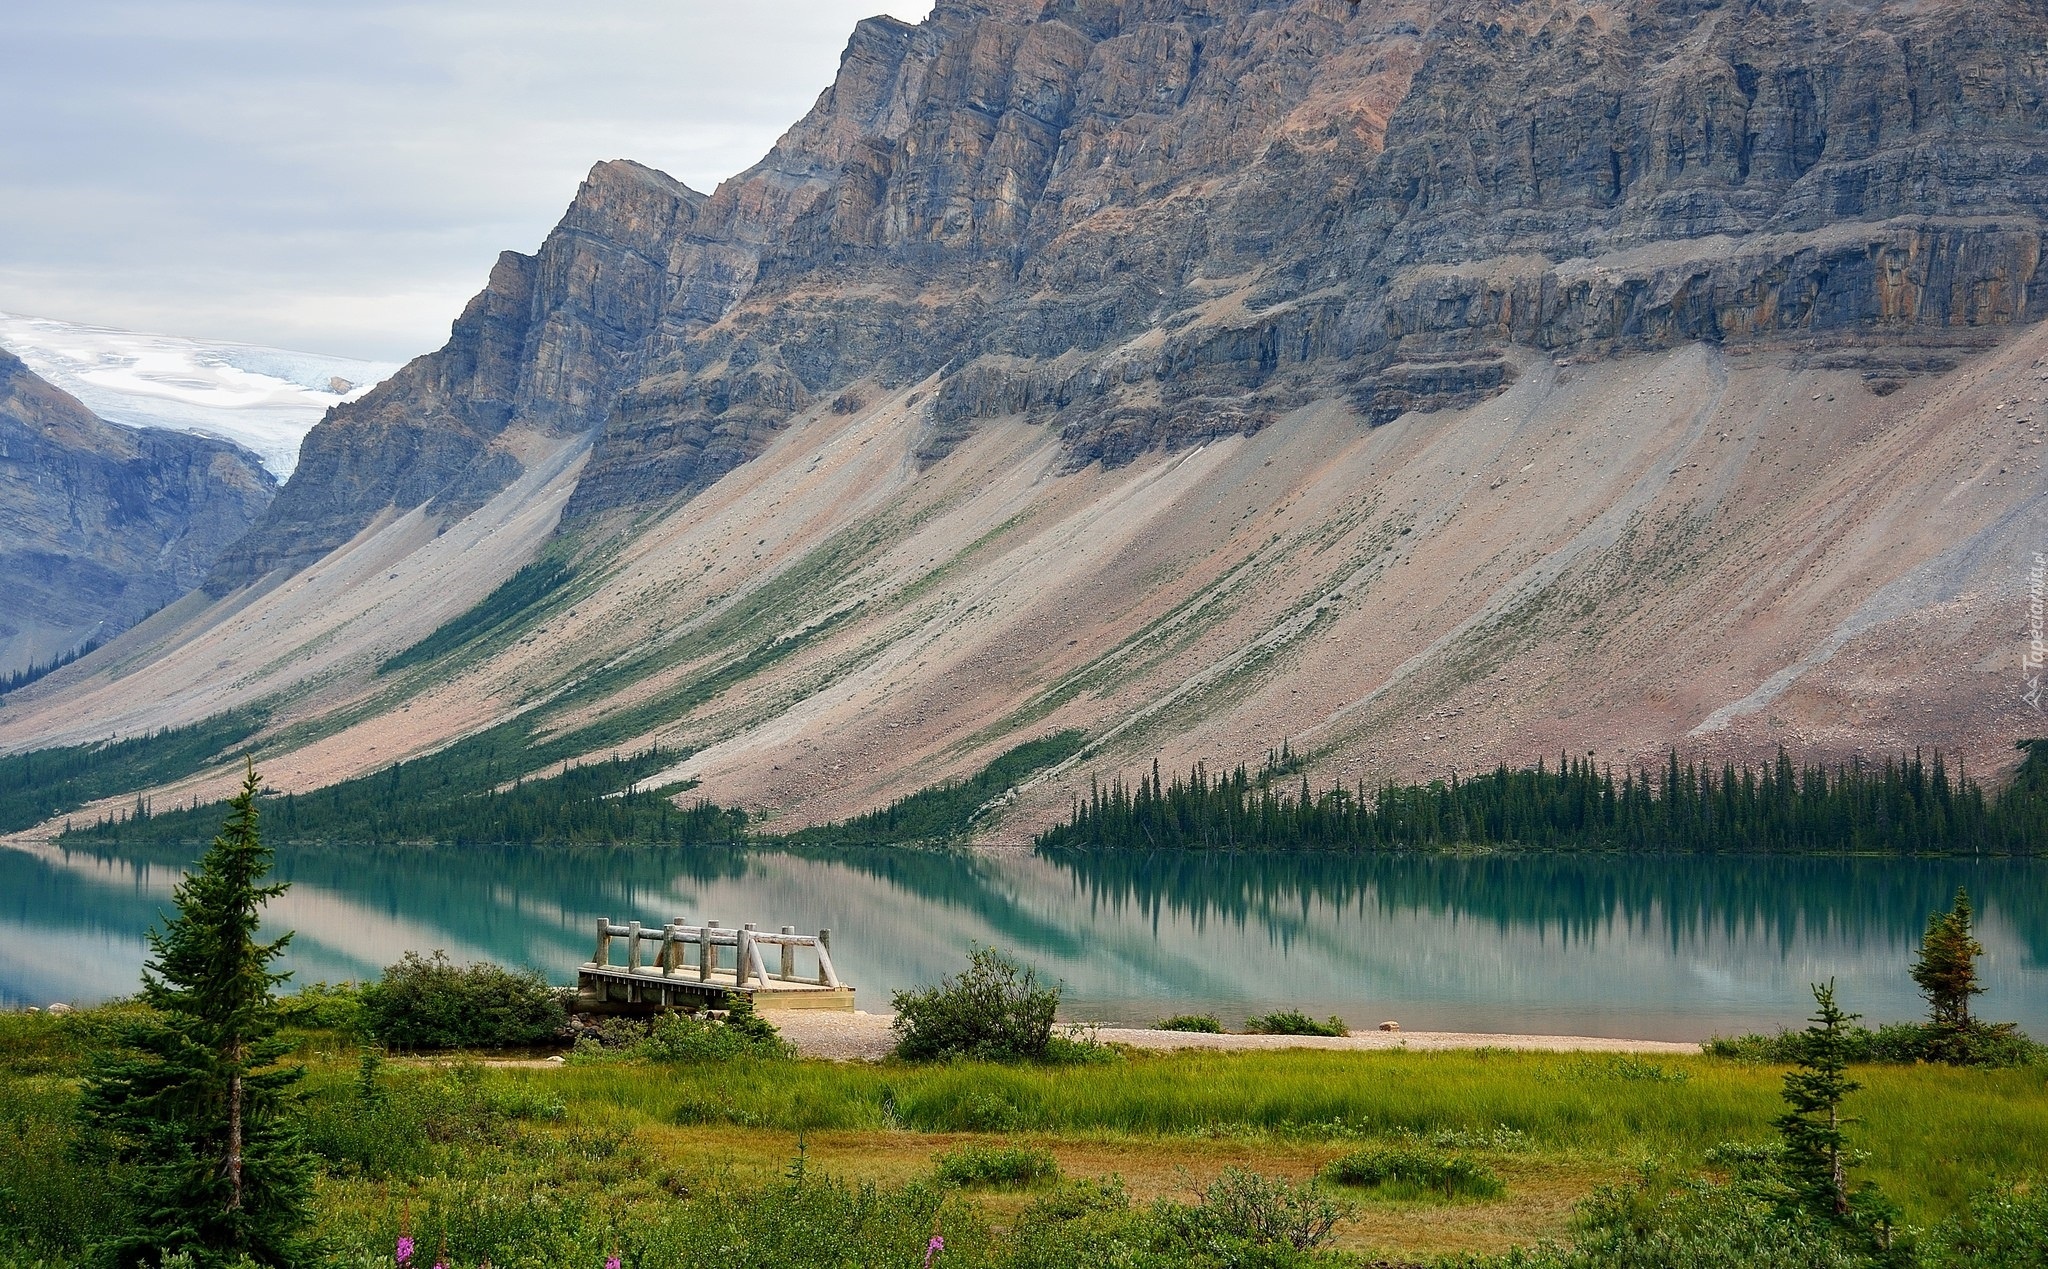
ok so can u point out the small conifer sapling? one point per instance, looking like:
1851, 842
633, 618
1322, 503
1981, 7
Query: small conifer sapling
1816, 1158
1946, 973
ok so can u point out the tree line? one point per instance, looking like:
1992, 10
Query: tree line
462, 796
1905, 804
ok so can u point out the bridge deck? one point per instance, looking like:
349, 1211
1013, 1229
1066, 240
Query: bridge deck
673, 981
604, 987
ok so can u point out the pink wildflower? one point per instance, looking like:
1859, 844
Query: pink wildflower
403, 1256
932, 1250
611, 1262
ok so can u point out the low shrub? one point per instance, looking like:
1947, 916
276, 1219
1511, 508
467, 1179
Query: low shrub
2005, 1228
1981, 1044
1294, 1022
1263, 1211
1413, 1171
994, 1010
1658, 1222
1078, 1046
1005, 1166
323, 1007
1244, 1221
1203, 1023
432, 1003
740, 1032
985, 1111
1071, 1200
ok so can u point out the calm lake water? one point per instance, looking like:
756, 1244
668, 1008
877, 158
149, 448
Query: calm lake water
1672, 948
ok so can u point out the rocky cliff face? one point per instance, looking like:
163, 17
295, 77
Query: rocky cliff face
1159, 222
101, 524
1155, 221
544, 348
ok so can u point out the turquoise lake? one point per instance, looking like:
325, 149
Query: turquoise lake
1657, 948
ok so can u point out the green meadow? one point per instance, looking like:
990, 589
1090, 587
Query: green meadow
525, 1161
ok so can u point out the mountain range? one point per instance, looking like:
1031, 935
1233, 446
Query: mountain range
100, 524
1423, 385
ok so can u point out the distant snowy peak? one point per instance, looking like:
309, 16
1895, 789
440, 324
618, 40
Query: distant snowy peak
265, 399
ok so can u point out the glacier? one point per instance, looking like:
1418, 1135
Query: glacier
263, 399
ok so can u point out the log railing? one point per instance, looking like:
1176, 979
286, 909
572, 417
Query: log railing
670, 945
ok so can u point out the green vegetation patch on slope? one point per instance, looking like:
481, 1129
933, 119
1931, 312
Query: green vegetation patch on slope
944, 812
493, 789
514, 598
1903, 805
482, 790
35, 786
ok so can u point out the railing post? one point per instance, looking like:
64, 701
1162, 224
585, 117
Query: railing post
826, 975
632, 946
604, 942
744, 960
707, 952
788, 974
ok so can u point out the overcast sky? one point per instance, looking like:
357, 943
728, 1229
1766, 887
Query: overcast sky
337, 176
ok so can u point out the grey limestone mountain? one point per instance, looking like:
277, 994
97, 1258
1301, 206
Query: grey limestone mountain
1155, 221
1426, 385
102, 524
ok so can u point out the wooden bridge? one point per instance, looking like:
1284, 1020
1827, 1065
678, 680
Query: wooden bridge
675, 978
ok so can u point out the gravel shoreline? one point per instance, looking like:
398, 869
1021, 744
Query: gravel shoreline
861, 1036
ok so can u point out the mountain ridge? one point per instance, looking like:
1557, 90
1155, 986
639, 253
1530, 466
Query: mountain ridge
1060, 268
103, 524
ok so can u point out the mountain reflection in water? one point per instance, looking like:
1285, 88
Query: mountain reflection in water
1663, 947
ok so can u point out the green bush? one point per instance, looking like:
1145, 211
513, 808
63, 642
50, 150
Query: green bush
2003, 1229
1981, 1044
323, 1007
1071, 1200
432, 1003
1661, 1223
994, 1010
1294, 1022
1010, 1166
1261, 1211
682, 1037
1412, 1171
1079, 1047
1204, 1023
1244, 1221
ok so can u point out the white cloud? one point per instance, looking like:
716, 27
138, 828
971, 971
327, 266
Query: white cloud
340, 177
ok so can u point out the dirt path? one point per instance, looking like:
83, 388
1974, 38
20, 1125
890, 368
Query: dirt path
843, 1036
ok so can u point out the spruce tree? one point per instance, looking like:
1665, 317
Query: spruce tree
194, 1099
1816, 1159
1947, 975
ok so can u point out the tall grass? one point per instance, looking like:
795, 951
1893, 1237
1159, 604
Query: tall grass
1934, 1134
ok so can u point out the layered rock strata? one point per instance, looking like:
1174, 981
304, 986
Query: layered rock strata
1157, 221
101, 524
